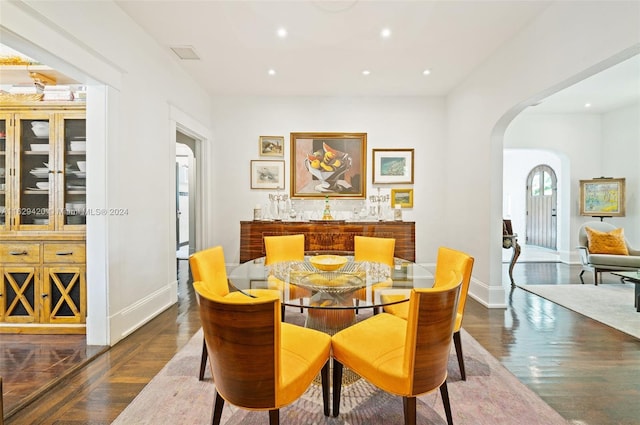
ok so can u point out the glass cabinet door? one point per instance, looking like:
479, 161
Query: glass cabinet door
74, 158
36, 169
4, 170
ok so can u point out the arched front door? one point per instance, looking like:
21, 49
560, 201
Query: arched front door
542, 189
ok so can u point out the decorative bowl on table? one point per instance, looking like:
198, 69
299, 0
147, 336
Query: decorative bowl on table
328, 262
331, 282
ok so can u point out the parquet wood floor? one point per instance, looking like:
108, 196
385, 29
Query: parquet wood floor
588, 372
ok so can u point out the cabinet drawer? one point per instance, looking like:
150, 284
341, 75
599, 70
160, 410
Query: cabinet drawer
64, 253
20, 252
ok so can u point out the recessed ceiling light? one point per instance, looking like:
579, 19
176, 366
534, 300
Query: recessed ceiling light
426, 72
366, 72
385, 33
587, 105
282, 32
271, 72
185, 52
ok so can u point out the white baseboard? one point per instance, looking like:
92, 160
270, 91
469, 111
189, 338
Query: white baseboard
129, 319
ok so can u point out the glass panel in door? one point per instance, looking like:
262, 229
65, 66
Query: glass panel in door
75, 175
36, 169
4, 167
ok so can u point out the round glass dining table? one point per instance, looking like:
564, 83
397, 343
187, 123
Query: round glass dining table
332, 298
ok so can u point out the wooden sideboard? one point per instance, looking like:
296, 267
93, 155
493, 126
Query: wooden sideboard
327, 236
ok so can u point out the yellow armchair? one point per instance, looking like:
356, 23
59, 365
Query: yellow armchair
258, 362
208, 266
403, 357
449, 261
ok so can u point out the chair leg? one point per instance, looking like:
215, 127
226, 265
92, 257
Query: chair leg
458, 343
409, 405
595, 278
324, 375
581, 279
203, 360
282, 312
217, 409
301, 305
444, 392
274, 417
337, 386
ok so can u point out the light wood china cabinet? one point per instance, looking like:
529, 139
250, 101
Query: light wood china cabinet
42, 218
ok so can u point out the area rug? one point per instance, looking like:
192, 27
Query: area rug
491, 395
611, 303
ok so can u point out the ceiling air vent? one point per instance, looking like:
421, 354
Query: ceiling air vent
185, 52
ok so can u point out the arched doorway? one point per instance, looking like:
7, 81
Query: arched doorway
542, 207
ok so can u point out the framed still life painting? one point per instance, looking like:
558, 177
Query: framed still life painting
328, 164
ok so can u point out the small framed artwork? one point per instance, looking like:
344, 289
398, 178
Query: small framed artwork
392, 166
267, 174
328, 164
402, 197
271, 145
603, 197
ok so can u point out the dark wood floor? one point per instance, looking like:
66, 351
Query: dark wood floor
588, 372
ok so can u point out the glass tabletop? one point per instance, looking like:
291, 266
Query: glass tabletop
355, 285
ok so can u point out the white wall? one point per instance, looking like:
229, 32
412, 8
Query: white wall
554, 51
621, 158
578, 147
138, 144
390, 122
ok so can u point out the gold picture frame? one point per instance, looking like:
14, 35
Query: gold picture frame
392, 166
271, 145
328, 164
402, 197
602, 197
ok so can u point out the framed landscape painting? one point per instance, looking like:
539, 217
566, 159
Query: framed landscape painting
328, 164
603, 197
392, 166
402, 197
271, 146
267, 174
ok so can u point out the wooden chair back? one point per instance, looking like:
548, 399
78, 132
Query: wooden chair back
284, 248
458, 261
432, 313
368, 248
243, 340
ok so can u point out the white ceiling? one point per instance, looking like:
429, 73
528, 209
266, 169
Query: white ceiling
330, 43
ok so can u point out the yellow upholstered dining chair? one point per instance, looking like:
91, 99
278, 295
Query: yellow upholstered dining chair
208, 266
379, 250
403, 357
257, 361
448, 261
374, 249
285, 248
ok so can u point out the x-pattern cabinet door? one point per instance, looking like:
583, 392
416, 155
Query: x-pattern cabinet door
20, 295
64, 294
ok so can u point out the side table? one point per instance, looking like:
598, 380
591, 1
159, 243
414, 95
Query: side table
633, 277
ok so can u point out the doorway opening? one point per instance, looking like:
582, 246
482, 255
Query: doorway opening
186, 191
